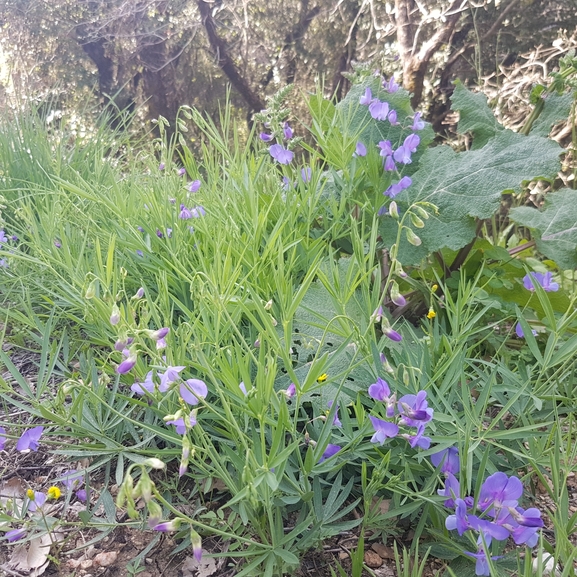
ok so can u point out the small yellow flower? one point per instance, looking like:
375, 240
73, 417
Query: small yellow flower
54, 493
322, 378
431, 314
30, 494
434, 288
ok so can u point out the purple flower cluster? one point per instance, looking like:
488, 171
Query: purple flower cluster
410, 411
281, 154
5, 240
545, 280
500, 516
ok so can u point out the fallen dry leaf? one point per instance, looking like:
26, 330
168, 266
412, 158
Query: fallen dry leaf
31, 558
193, 568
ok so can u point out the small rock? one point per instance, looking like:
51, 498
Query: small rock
86, 564
343, 555
383, 551
149, 561
105, 559
73, 563
372, 559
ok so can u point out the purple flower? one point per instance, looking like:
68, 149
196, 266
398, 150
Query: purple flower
336, 420
519, 331
192, 390
168, 377
139, 293
402, 155
180, 425
405, 182
161, 166
146, 386
361, 149
198, 211
3, 237
329, 452
242, 387
139, 253
379, 110
543, 279
291, 391
412, 142
386, 148
286, 183
287, 131
265, 137
73, 479
281, 154
392, 118
414, 409
393, 190
449, 458
194, 186
57, 243
390, 86
82, 495
499, 491
37, 501
452, 490
482, 564
459, 520
181, 171
380, 391
127, 364
392, 334
306, 174
185, 213
15, 535
167, 526
418, 124
159, 233
366, 98
2, 438
383, 430
389, 164
29, 439
529, 518
4, 263
158, 334
419, 440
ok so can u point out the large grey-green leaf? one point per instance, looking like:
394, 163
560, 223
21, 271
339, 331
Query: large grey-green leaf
468, 185
555, 226
475, 116
556, 109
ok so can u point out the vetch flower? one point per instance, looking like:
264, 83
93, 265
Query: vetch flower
386, 148
383, 430
459, 520
281, 154
291, 391
482, 564
57, 243
192, 390
139, 293
418, 124
379, 110
306, 174
2, 438
127, 364
380, 391
392, 118
390, 85
37, 500
158, 334
405, 182
392, 334
265, 137
366, 98
181, 171
448, 459
180, 424
543, 279
287, 131
414, 409
168, 377
146, 386
15, 535
499, 491
194, 186
452, 490
389, 164
402, 155
168, 526
28, 441
329, 452
412, 142
184, 213
82, 495
161, 166
3, 237
72, 480
360, 149
519, 331
242, 387
115, 315
336, 420
197, 211
418, 440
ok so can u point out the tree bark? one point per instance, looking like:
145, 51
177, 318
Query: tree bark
225, 62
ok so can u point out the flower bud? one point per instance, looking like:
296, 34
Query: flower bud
154, 514
196, 542
416, 221
394, 210
412, 237
127, 364
91, 290
396, 296
154, 463
115, 316
139, 293
268, 305
168, 525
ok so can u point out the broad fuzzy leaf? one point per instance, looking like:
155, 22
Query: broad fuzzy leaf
475, 115
557, 108
468, 185
555, 226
